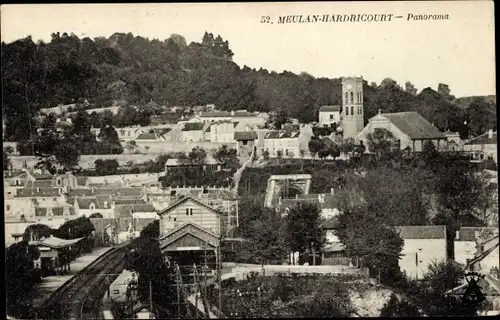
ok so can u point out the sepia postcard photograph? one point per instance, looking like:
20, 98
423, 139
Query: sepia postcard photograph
250, 160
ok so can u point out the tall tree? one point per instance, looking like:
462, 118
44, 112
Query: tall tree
304, 233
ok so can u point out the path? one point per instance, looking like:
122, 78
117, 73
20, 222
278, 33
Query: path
239, 172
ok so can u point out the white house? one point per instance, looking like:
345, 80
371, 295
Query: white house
290, 142
482, 147
409, 128
423, 245
466, 241
194, 132
329, 115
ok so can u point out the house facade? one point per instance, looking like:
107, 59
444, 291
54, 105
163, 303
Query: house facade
410, 129
423, 245
483, 146
194, 132
189, 209
466, 241
329, 115
290, 143
245, 142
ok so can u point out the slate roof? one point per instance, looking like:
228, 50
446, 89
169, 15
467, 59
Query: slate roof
195, 126
483, 139
125, 211
119, 202
84, 203
42, 192
421, 232
82, 180
40, 176
146, 136
45, 184
245, 135
172, 162
469, 233
282, 134
227, 114
329, 108
414, 125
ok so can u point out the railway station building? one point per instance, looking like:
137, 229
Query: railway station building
54, 254
190, 232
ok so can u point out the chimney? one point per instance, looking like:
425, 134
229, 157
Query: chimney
490, 133
232, 113
37, 189
296, 196
476, 234
457, 235
93, 189
332, 191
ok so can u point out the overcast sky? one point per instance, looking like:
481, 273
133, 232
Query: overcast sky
458, 51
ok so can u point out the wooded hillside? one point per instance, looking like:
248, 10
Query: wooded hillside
173, 73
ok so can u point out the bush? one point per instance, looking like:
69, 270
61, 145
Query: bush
396, 308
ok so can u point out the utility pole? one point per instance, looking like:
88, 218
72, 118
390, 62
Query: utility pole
177, 282
150, 297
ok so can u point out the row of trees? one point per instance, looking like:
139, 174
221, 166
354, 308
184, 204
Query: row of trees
60, 146
171, 72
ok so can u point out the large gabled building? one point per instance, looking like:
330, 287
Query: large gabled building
410, 129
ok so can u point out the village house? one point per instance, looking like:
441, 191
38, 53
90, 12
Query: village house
329, 115
466, 241
245, 143
485, 262
210, 163
454, 141
333, 253
223, 131
135, 211
86, 206
194, 132
290, 143
482, 147
410, 129
423, 245
242, 116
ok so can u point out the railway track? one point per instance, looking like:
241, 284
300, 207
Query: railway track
81, 297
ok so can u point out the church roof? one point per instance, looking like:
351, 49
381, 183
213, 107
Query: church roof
413, 125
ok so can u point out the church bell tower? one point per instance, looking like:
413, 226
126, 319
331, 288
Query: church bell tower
352, 106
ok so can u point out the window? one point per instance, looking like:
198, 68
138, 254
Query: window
331, 116
346, 111
352, 110
245, 142
175, 219
346, 97
352, 97
8, 207
190, 212
187, 212
58, 182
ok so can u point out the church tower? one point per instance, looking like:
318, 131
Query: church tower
352, 106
